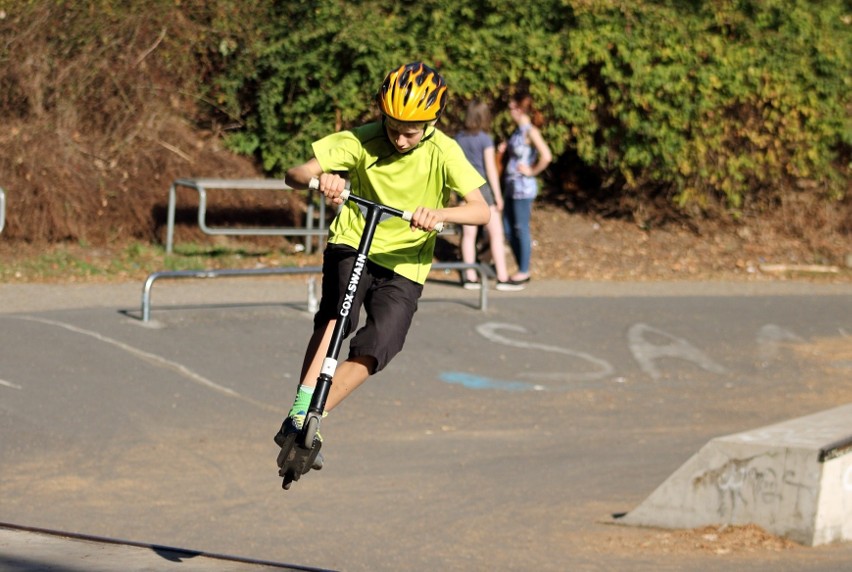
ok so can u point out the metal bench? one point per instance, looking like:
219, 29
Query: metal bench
203, 185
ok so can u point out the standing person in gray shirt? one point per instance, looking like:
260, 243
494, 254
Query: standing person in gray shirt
478, 147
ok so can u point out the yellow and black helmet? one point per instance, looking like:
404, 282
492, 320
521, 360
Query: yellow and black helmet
413, 92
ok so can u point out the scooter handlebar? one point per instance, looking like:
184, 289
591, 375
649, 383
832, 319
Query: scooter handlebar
313, 184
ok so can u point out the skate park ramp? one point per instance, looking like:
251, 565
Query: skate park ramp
25, 549
793, 479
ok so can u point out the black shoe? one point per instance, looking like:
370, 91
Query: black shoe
509, 286
521, 282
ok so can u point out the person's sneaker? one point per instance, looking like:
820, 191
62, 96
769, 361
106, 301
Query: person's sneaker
510, 286
472, 285
294, 424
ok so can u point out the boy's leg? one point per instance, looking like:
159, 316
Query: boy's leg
315, 354
337, 267
337, 263
348, 376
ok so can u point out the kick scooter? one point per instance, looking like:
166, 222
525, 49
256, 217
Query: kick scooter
299, 450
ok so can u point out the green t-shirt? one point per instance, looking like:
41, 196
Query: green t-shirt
425, 176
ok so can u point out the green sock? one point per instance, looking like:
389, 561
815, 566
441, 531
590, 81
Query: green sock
303, 400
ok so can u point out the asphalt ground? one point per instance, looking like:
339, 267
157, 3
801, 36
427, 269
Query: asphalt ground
497, 440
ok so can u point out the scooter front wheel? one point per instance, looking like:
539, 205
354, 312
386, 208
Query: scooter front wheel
311, 430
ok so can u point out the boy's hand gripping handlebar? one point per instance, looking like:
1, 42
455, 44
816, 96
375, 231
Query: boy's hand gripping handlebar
347, 195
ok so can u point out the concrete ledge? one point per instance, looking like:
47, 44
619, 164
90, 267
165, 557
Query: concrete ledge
793, 479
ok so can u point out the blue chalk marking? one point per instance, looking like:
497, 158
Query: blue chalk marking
478, 382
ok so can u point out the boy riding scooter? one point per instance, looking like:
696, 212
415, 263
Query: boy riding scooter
405, 162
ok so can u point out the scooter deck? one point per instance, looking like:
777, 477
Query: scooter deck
295, 460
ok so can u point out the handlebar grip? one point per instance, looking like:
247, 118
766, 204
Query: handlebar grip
406, 216
313, 185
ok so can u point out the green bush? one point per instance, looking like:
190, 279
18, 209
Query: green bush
717, 102
705, 103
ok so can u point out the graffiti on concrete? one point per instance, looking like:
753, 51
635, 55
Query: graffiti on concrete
758, 484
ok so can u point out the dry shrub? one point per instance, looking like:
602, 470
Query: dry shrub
824, 227
94, 101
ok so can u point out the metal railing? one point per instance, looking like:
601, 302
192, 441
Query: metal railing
2, 209
480, 269
202, 185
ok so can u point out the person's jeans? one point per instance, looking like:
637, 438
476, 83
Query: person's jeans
516, 222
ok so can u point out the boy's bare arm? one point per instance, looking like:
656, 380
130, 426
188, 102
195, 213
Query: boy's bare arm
299, 176
473, 211
330, 184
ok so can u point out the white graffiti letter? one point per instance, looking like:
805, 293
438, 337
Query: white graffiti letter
769, 340
603, 368
647, 352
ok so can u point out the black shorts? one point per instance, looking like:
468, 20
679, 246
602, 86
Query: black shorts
390, 301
